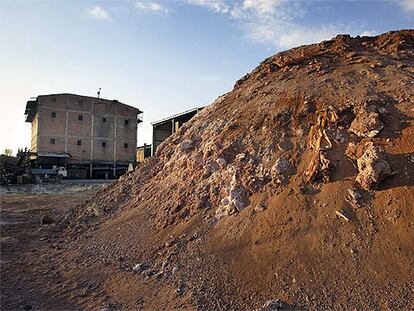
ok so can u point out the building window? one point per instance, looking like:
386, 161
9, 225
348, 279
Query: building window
104, 144
53, 99
126, 122
80, 117
52, 141
80, 102
126, 145
53, 114
79, 142
104, 120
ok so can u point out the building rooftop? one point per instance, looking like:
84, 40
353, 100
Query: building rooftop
32, 105
176, 116
144, 146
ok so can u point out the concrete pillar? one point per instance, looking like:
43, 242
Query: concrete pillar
154, 133
66, 131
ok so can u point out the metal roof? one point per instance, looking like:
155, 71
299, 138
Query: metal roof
144, 146
176, 116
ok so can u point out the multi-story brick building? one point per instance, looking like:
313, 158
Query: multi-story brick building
97, 137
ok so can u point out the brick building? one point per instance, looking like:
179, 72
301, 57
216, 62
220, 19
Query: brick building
94, 137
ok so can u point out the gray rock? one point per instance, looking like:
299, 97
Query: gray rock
280, 167
187, 145
285, 145
271, 305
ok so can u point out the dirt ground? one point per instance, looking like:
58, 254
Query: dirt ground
226, 216
25, 243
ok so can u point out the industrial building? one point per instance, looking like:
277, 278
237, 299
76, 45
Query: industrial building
143, 152
162, 129
92, 137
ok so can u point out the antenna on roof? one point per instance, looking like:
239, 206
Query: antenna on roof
99, 92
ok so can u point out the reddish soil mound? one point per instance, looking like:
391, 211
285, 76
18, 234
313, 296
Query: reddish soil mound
297, 185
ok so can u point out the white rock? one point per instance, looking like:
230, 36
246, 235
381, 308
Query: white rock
137, 267
271, 305
366, 123
372, 167
221, 162
240, 156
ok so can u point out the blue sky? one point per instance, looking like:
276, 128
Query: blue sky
163, 57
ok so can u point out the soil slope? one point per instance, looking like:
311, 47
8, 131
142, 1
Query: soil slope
297, 185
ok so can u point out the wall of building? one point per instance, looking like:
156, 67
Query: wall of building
143, 152
160, 133
33, 141
161, 130
101, 121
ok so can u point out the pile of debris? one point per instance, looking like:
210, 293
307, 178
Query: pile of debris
311, 133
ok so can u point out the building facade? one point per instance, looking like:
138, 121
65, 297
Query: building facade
97, 135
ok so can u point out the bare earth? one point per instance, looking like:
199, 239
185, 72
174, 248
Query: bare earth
28, 279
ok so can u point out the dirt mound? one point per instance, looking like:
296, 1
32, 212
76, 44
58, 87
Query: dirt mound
271, 193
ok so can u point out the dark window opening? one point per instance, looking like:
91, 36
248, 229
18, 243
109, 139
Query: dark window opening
126, 145
104, 120
103, 144
53, 114
79, 142
80, 117
54, 100
126, 122
80, 102
52, 141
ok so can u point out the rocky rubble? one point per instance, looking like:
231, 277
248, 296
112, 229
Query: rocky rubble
269, 172
367, 122
372, 168
216, 161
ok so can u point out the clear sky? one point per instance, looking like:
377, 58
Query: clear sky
162, 56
